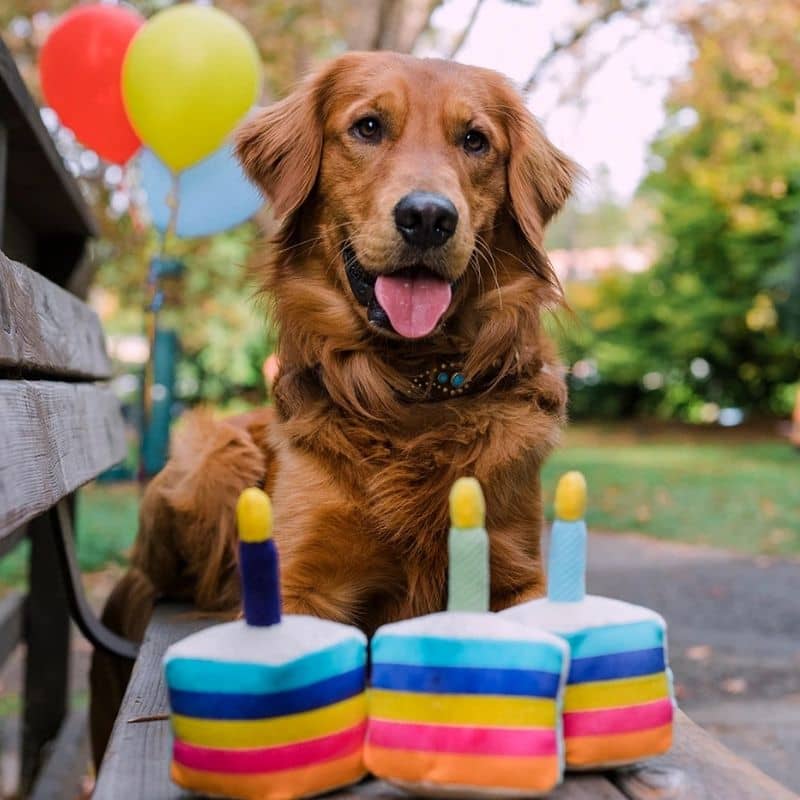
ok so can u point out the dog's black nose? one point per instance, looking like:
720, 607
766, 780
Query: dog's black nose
425, 219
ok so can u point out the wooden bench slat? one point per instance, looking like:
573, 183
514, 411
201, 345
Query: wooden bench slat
56, 437
136, 765
39, 185
698, 767
46, 330
12, 623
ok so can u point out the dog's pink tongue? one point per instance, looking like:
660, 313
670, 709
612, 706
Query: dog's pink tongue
414, 304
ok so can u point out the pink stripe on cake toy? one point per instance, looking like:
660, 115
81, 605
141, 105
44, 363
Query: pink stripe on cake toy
619, 702
464, 702
271, 707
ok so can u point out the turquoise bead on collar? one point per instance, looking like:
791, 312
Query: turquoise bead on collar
445, 379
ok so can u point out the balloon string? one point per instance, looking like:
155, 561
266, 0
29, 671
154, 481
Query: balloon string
172, 205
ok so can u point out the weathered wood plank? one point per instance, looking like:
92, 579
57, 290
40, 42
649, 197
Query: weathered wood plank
46, 330
67, 762
3, 171
136, 765
56, 437
698, 768
39, 186
12, 619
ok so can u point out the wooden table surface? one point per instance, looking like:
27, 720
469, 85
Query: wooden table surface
136, 766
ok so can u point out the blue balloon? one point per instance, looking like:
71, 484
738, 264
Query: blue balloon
213, 195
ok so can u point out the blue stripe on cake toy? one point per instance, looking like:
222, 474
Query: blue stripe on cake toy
272, 707
463, 702
618, 704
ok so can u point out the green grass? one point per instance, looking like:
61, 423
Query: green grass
105, 527
736, 492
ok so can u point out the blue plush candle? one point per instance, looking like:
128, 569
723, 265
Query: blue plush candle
258, 559
566, 578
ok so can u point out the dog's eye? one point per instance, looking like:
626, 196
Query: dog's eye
368, 128
475, 142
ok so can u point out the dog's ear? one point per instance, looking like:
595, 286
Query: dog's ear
280, 147
540, 180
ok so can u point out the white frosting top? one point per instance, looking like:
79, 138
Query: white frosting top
591, 612
294, 636
470, 625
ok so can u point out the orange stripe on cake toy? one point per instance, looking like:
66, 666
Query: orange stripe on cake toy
619, 704
463, 701
270, 706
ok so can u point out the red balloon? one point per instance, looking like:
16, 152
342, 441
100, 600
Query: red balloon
81, 69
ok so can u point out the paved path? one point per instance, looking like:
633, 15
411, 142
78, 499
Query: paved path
734, 635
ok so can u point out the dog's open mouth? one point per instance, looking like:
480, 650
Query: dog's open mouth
411, 301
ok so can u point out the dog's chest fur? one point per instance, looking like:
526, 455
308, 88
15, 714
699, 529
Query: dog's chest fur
388, 486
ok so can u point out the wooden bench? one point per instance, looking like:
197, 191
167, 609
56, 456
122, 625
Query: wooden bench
136, 766
59, 428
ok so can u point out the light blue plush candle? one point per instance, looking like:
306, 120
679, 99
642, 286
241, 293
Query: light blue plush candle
566, 578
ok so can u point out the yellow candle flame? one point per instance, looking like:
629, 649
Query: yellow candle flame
571, 497
467, 506
254, 516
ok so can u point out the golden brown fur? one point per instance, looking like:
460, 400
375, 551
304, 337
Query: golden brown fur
359, 475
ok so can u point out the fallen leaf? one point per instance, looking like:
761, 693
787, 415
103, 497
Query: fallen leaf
779, 536
699, 652
734, 685
663, 498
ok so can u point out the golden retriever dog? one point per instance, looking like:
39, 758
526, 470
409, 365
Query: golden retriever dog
409, 281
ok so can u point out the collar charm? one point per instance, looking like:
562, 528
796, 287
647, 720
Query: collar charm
446, 379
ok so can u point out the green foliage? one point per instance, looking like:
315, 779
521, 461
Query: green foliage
728, 193
222, 325
105, 527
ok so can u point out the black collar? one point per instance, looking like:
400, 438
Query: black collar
445, 379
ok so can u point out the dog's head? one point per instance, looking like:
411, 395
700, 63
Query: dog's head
425, 184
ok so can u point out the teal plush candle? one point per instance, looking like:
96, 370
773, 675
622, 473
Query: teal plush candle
468, 546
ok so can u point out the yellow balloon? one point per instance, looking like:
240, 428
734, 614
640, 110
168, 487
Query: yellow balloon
190, 74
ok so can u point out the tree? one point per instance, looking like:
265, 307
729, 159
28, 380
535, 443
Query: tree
705, 318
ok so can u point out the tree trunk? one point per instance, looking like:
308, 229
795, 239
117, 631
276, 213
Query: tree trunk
384, 24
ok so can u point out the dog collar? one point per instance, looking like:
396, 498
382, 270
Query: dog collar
442, 380
446, 379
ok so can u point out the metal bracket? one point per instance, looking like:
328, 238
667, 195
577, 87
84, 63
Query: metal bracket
91, 627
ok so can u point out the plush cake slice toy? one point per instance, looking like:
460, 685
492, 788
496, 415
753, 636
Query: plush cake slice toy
463, 701
618, 706
267, 707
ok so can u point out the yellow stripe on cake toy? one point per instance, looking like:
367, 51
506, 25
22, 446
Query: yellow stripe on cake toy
619, 703
272, 706
463, 701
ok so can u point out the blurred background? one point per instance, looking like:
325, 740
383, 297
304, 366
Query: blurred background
680, 256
